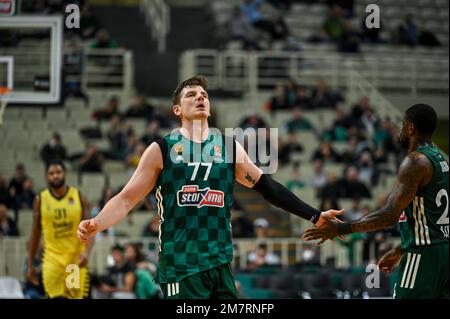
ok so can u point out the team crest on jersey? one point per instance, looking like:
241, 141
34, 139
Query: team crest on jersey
191, 195
217, 154
71, 201
179, 150
402, 217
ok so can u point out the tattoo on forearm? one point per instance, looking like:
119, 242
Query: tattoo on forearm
408, 181
250, 179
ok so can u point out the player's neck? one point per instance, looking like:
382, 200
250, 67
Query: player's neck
60, 191
421, 141
196, 130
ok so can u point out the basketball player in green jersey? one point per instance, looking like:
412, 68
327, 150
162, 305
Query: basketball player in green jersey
419, 202
193, 171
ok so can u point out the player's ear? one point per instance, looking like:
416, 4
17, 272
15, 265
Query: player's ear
176, 110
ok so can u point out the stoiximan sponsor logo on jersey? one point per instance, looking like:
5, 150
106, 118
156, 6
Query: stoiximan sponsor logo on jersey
191, 195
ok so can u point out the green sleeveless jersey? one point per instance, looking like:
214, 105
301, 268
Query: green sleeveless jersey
195, 194
425, 220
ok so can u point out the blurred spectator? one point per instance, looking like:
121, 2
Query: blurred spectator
109, 111
261, 227
53, 149
152, 227
326, 153
91, 161
241, 226
323, 97
319, 177
302, 100
353, 151
370, 122
334, 25
8, 227
250, 9
350, 39
139, 108
240, 29
261, 257
332, 190
279, 100
117, 138
367, 170
297, 180
286, 149
298, 122
408, 32
134, 158
358, 110
152, 133
120, 279
5, 198
351, 186
253, 121
280, 30
26, 199
16, 182
355, 212
103, 41
89, 24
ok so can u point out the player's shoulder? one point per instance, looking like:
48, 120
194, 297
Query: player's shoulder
417, 160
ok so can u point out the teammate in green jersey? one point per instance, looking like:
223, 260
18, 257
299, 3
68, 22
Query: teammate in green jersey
419, 202
193, 170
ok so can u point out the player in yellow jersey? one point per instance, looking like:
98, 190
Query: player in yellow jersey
57, 212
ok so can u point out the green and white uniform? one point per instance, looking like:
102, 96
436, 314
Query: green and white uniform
195, 196
424, 231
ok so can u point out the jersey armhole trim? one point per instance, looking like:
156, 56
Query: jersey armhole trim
163, 147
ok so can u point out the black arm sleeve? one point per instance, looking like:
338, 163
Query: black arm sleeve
280, 196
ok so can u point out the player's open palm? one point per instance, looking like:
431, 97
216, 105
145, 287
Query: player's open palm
389, 260
87, 229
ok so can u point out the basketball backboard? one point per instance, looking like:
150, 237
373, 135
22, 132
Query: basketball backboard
31, 57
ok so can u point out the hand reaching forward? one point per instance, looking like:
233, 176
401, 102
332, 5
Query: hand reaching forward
326, 227
87, 229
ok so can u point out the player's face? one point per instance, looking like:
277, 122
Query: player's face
56, 176
194, 103
405, 133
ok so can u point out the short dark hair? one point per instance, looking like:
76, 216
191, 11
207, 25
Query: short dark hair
424, 118
199, 80
55, 162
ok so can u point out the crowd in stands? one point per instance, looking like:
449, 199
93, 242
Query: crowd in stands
251, 27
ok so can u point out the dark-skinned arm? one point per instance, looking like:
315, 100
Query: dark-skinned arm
33, 242
415, 171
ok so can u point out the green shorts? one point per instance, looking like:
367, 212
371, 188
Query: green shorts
423, 273
216, 283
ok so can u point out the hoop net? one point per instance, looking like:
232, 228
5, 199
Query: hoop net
4, 94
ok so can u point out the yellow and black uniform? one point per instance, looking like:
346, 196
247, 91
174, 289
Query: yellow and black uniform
59, 220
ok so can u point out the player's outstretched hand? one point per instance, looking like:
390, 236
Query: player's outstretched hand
326, 227
329, 215
390, 260
87, 229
